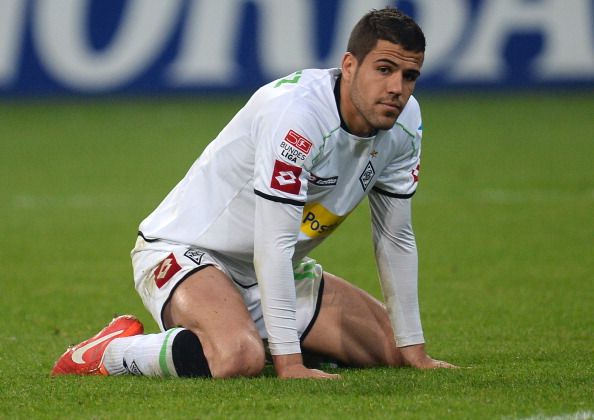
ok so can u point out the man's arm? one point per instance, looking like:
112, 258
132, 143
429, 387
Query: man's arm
397, 261
276, 227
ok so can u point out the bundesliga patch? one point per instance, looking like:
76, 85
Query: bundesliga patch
367, 176
322, 182
166, 270
285, 177
294, 148
298, 141
194, 255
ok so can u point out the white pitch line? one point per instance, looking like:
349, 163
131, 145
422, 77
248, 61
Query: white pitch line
580, 415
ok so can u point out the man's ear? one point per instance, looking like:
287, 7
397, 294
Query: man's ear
349, 66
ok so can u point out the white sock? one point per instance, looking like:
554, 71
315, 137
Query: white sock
143, 355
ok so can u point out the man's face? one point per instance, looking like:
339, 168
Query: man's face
376, 90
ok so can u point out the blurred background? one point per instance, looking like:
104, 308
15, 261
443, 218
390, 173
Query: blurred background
90, 47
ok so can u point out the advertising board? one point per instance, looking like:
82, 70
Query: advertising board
154, 46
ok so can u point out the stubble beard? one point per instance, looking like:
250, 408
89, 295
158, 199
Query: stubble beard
369, 114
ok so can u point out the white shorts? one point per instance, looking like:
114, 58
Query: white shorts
161, 266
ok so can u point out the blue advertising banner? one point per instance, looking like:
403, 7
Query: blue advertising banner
164, 46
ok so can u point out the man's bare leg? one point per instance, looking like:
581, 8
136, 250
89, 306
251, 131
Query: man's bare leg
352, 327
208, 304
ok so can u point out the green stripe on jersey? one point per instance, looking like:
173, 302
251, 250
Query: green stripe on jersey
405, 129
295, 79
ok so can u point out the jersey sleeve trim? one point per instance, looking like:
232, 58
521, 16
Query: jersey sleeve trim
394, 195
279, 199
147, 239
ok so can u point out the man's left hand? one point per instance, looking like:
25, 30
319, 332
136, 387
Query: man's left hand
416, 357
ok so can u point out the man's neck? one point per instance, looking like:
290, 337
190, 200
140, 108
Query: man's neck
340, 100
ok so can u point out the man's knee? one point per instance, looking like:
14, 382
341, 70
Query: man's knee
242, 355
238, 355
188, 355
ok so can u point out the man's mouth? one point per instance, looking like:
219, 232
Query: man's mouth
392, 106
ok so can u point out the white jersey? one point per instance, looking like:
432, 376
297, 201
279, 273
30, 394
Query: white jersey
284, 174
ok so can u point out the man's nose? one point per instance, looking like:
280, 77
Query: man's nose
395, 84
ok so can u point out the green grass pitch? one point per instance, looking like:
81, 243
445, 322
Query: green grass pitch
504, 218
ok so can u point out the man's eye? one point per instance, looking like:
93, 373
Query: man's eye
410, 77
384, 70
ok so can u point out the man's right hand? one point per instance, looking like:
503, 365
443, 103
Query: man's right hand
291, 366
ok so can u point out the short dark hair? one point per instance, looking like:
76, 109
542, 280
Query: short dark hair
388, 24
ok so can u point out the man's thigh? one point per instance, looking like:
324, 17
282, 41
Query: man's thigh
352, 327
207, 301
205, 286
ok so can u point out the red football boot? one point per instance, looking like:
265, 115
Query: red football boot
86, 358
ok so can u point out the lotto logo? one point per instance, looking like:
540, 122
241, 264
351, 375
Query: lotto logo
285, 178
322, 182
415, 173
166, 270
298, 141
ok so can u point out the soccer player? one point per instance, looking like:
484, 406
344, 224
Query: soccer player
221, 264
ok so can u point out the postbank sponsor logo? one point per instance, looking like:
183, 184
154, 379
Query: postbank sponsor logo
318, 221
